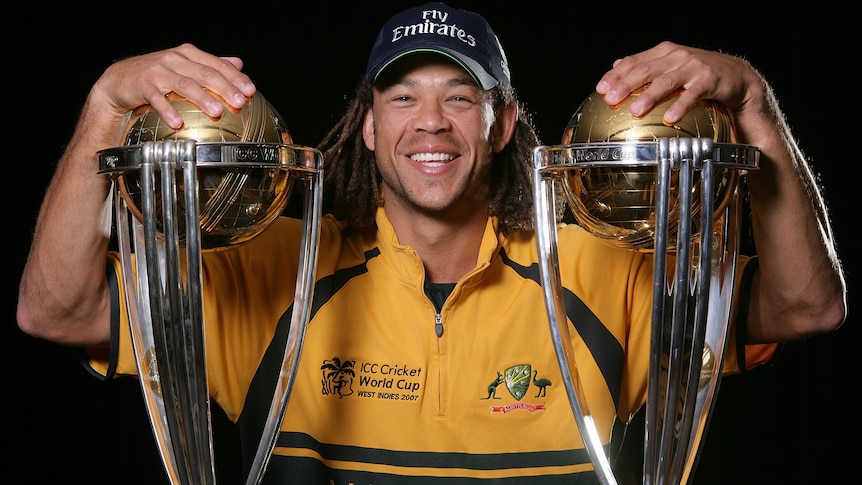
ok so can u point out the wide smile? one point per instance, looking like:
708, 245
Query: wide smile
432, 159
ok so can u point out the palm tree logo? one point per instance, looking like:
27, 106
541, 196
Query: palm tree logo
338, 377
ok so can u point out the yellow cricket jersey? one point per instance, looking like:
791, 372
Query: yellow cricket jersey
380, 397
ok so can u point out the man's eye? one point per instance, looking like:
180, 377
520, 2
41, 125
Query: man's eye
461, 99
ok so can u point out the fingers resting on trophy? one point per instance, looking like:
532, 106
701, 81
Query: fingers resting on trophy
208, 81
669, 67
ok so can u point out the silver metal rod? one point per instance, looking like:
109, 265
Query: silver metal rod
656, 382
313, 203
546, 235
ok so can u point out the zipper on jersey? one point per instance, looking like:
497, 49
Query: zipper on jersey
438, 294
438, 329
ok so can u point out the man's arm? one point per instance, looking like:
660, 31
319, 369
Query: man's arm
63, 295
799, 289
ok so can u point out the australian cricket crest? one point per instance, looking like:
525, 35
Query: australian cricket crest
518, 380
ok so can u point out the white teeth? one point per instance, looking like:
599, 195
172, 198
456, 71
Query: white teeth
431, 157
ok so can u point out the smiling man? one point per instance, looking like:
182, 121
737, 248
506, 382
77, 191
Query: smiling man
428, 357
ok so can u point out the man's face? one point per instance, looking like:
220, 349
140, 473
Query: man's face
432, 130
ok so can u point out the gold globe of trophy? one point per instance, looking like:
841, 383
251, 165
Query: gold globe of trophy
673, 191
213, 184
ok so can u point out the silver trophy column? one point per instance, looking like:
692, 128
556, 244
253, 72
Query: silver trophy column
214, 184
668, 190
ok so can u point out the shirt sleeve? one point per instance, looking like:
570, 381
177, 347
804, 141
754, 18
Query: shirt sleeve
118, 359
741, 357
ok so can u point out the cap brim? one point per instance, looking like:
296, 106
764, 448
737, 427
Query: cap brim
482, 78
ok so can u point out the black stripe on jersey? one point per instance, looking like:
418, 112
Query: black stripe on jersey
606, 350
742, 314
256, 407
114, 347
306, 470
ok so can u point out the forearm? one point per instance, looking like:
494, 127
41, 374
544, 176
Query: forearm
800, 288
63, 294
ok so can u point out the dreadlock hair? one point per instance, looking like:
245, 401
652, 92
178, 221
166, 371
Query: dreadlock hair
352, 181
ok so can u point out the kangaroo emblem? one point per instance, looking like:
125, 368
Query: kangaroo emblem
492, 387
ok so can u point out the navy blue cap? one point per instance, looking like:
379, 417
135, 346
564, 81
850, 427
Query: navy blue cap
464, 36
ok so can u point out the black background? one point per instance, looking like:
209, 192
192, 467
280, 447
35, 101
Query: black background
794, 421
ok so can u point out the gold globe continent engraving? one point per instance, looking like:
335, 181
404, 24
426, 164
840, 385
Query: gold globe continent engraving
236, 201
617, 201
